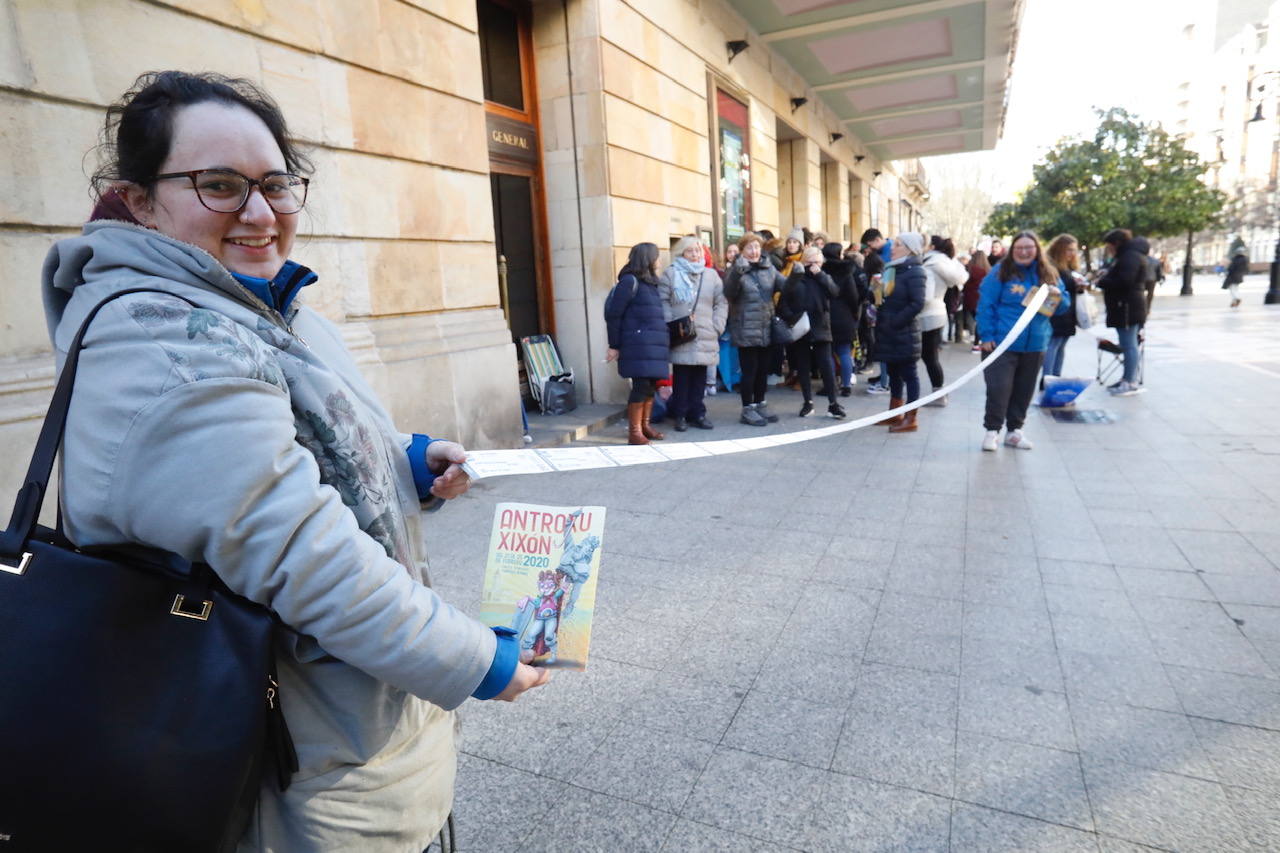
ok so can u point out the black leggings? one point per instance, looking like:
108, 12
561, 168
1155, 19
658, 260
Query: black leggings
754, 362
800, 358
930, 343
641, 390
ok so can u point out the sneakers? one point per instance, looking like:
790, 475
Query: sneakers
806, 409
940, 403
1015, 438
751, 417
1235, 303
681, 424
991, 440
835, 410
1126, 389
702, 423
877, 389
763, 409
846, 390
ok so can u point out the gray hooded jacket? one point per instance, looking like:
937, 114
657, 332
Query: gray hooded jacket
231, 435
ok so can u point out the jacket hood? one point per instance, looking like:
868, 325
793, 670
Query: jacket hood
108, 249
1140, 244
837, 267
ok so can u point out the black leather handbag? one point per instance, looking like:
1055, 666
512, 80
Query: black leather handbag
681, 329
139, 708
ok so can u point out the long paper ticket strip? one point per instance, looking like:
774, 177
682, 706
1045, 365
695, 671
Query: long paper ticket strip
505, 463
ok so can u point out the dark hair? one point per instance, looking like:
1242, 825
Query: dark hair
138, 132
641, 261
870, 234
1117, 237
1009, 267
943, 245
765, 235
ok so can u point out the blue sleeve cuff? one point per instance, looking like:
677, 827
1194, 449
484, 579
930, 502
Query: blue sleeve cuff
422, 476
505, 657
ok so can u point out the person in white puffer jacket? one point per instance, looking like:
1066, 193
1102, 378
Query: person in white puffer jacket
941, 271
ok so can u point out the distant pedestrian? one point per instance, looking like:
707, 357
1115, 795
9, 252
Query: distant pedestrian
1153, 276
1064, 254
730, 255
750, 285
978, 269
1235, 275
942, 271
788, 255
1011, 380
845, 308
809, 291
689, 288
638, 338
1123, 290
873, 265
996, 255
874, 240
898, 326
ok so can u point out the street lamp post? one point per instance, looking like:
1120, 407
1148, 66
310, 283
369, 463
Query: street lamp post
1273, 288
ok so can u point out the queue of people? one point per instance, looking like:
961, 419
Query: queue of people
807, 306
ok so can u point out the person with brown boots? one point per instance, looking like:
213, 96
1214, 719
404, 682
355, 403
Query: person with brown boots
898, 327
638, 337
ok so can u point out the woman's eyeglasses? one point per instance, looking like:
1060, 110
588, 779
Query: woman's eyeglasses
227, 191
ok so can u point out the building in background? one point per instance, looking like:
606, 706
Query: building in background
553, 134
1229, 113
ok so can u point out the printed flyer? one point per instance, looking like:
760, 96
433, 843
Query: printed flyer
540, 579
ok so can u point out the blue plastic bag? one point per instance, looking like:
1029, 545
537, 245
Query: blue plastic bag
1062, 391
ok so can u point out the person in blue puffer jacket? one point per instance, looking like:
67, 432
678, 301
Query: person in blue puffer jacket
1011, 380
638, 338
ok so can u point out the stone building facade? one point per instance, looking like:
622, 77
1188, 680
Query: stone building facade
555, 133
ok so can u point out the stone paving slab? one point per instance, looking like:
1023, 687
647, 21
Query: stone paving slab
875, 642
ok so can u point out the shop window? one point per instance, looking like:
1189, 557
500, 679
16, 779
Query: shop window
734, 169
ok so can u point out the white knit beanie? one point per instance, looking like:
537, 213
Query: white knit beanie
913, 242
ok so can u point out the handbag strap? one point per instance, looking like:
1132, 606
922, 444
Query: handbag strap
26, 508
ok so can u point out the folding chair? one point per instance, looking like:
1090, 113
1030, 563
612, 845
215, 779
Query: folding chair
1111, 360
541, 362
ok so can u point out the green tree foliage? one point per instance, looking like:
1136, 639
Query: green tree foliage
1128, 175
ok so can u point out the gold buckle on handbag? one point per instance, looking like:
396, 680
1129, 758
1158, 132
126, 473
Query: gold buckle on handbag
21, 567
177, 609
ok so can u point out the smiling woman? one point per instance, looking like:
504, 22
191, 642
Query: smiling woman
222, 421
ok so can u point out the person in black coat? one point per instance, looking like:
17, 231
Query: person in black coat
638, 337
1124, 293
810, 291
898, 326
845, 308
1235, 275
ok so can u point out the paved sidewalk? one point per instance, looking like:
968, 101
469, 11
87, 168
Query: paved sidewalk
874, 642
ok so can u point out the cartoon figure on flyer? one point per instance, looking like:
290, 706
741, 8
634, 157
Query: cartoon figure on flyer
537, 619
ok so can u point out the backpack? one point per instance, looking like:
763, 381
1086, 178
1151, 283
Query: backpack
613, 294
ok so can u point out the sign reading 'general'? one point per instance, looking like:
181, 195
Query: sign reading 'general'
511, 140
